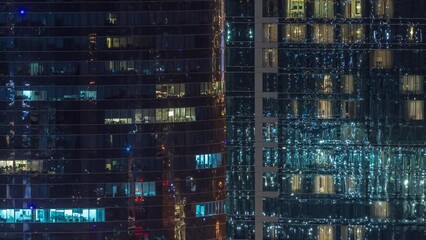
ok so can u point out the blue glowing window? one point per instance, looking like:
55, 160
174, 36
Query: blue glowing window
212, 160
209, 208
145, 189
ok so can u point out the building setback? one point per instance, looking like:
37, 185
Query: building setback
112, 120
326, 129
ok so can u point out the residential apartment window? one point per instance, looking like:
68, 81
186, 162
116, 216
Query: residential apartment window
381, 58
347, 84
295, 8
383, 8
294, 33
412, 84
414, 110
270, 57
324, 8
352, 33
270, 8
380, 210
270, 132
323, 33
324, 109
352, 8
324, 184
325, 232
270, 32
349, 109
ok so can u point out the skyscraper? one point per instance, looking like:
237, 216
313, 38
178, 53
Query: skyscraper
112, 120
325, 119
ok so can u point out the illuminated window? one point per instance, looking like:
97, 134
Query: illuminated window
32, 95
296, 183
270, 8
270, 57
381, 58
36, 69
349, 109
414, 33
347, 84
414, 110
412, 84
170, 90
325, 84
270, 182
324, 184
295, 33
295, 8
87, 95
294, 108
325, 232
352, 33
352, 8
119, 42
211, 160
324, 8
145, 189
209, 208
270, 132
383, 8
126, 66
13, 166
324, 109
68, 215
323, 33
353, 232
115, 165
270, 32
175, 114
380, 210
350, 185
111, 19
119, 116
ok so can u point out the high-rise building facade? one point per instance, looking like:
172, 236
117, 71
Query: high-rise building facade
112, 120
326, 130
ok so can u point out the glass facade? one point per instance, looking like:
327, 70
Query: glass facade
112, 120
326, 119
